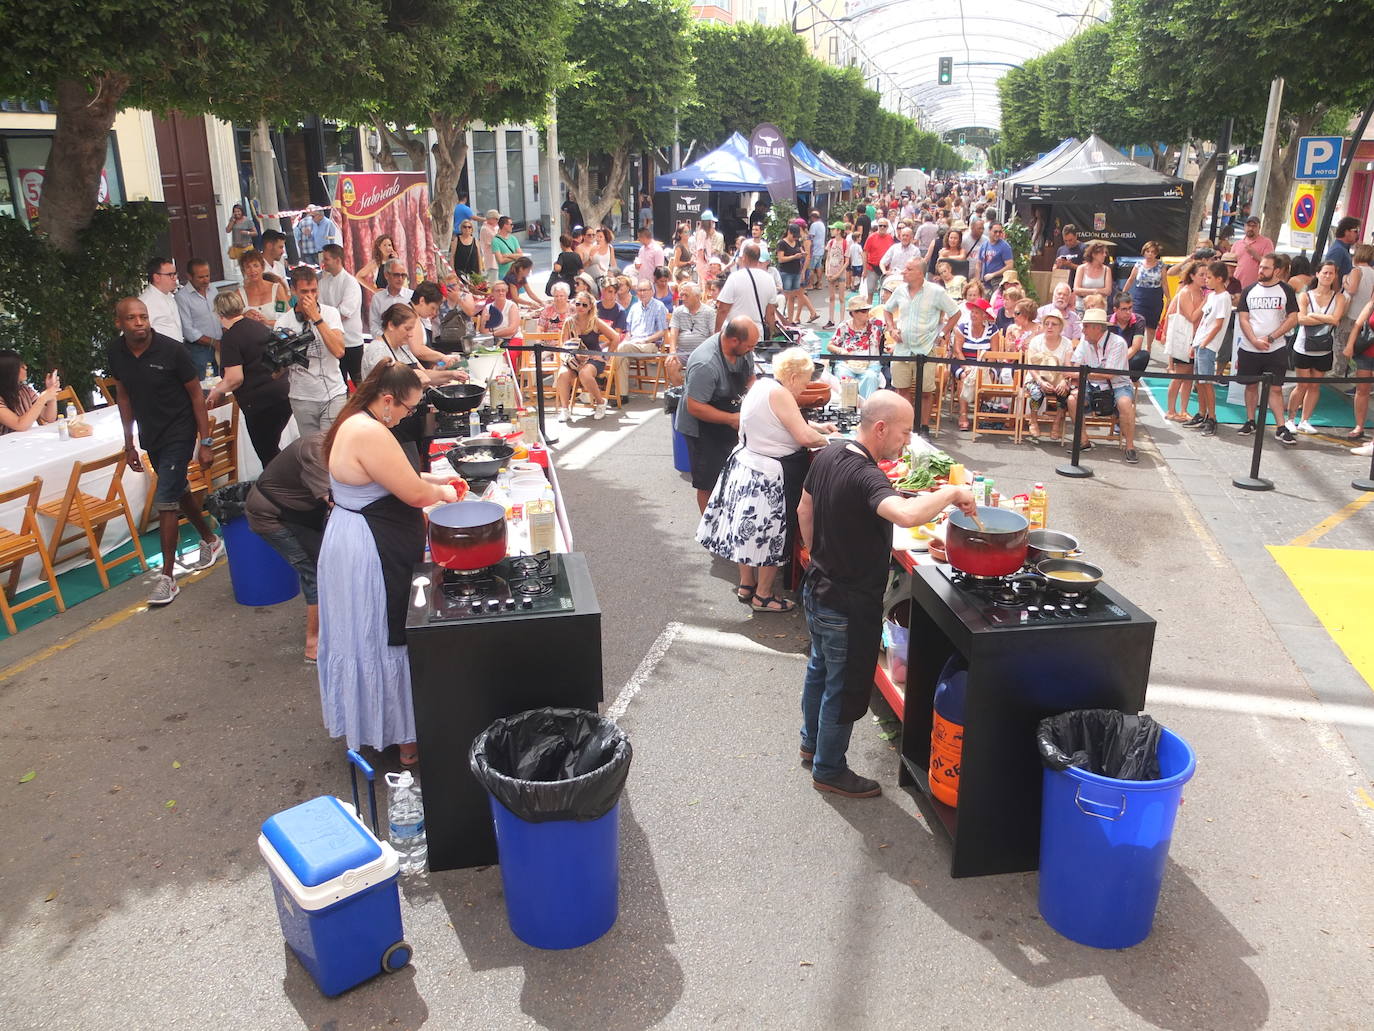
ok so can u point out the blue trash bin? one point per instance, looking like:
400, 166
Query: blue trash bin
554, 778
1103, 846
561, 879
682, 458
260, 576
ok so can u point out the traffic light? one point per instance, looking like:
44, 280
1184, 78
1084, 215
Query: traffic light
962, 139
946, 71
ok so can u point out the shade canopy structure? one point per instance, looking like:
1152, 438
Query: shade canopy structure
900, 43
728, 168
1107, 195
812, 162
838, 167
1040, 164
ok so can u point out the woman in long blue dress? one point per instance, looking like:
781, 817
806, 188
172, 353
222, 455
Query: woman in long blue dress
374, 539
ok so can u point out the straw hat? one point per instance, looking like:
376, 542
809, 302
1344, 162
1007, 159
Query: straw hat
858, 303
1010, 276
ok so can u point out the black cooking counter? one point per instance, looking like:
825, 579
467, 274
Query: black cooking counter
1029, 656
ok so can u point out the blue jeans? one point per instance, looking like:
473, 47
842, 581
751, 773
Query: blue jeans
821, 732
288, 546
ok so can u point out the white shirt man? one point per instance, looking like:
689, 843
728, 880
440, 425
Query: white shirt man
396, 292
157, 296
343, 293
900, 254
749, 291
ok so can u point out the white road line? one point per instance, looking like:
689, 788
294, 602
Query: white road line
1260, 705
643, 671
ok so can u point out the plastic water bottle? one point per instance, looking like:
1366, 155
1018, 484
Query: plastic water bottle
406, 819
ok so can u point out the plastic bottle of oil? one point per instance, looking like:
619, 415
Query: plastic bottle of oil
1038, 510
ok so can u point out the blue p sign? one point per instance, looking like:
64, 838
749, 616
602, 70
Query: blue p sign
1319, 157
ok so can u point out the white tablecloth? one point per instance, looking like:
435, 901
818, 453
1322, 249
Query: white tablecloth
41, 452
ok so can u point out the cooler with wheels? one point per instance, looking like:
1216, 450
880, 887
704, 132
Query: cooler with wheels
336, 893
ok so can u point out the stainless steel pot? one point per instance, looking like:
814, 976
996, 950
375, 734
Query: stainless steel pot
1044, 544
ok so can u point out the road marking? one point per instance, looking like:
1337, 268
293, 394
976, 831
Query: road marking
643, 671
1312, 712
90, 630
1330, 523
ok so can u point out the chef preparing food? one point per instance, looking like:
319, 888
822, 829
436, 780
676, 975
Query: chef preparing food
847, 508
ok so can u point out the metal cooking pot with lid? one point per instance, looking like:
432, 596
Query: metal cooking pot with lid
1043, 544
467, 535
997, 550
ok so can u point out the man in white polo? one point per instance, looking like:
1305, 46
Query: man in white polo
915, 327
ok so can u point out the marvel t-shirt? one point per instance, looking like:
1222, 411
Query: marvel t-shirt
1268, 306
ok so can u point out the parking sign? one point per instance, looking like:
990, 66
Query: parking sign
1319, 157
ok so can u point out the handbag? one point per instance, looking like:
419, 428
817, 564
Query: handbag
1364, 342
1320, 339
1101, 400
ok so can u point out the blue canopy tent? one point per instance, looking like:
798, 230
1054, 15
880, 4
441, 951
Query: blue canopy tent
816, 163
716, 180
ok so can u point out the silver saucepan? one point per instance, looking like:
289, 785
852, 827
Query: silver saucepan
1043, 544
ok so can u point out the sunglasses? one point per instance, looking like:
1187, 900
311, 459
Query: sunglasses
581, 304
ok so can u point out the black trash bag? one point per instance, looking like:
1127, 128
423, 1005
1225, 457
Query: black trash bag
672, 397
229, 501
1102, 741
553, 764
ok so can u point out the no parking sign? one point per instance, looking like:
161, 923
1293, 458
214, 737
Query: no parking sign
1302, 213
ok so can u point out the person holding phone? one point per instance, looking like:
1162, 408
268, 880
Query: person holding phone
22, 407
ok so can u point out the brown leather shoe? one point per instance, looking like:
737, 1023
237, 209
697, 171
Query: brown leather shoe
807, 758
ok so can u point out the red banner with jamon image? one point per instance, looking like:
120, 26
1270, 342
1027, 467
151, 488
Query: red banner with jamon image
371, 205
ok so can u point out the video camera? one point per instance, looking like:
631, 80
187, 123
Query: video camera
288, 348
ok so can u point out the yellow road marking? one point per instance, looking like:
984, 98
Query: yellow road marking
1363, 796
1330, 522
106, 623
1334, 583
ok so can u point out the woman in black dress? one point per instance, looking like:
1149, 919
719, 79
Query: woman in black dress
466, 259
260, 392
566, 267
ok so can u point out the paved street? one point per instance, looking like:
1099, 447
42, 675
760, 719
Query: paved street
136, 898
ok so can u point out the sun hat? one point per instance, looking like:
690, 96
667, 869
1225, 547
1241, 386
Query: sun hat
1095, 317
708, 215
980, 303
858, 303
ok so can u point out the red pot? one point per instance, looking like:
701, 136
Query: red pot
997, 550
467, 535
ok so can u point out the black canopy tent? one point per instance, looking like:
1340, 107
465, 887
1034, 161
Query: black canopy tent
1108, 197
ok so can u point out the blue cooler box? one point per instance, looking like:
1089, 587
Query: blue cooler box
336, 892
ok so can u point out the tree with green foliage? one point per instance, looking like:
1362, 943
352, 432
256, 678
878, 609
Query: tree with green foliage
247, 61
57, 304
837, 109
749, 73
634, 75
500, 69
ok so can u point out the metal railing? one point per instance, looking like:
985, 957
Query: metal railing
1074, 469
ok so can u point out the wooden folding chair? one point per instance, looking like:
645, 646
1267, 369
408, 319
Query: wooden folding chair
15, 547
106, 386
529, 376
90, 514
990, 395
225, 433
196, 483
606, 381
647, 375
67, 396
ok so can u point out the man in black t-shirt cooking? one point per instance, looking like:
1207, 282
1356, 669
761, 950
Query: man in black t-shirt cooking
845, 517
158, 388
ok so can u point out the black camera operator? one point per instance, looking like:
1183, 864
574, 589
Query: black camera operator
257, 383
317, 390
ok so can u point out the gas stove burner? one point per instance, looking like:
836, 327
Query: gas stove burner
534, 585
468, 581
972, 580
531, 564
1007, 597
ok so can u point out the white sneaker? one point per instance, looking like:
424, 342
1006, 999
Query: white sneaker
210, 553
164, 590
1364, 450
565, 415
599, 412
1290, 426
1307, 427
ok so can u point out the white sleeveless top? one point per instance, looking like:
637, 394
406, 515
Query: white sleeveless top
1362, 293
761, 431
267, 311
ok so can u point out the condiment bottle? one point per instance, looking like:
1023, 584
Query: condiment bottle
1037, 509
988, 492
956, 475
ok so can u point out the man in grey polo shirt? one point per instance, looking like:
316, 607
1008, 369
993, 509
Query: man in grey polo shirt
719, 374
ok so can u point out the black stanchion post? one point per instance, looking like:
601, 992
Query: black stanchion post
1073, 470
1254, 481
539, 391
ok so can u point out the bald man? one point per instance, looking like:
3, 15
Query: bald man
719, 373
846, 514
158, 388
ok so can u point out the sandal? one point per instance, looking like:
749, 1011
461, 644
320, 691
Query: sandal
1355, 436
1034, 438
764, 603
409, 755
745, 593
964, 427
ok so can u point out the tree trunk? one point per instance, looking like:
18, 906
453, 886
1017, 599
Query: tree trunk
71, 185
1203, 188
389, 139
265, 175
1285, 165
450, 154
595, 204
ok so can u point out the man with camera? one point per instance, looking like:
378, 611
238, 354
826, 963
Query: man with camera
317, 388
